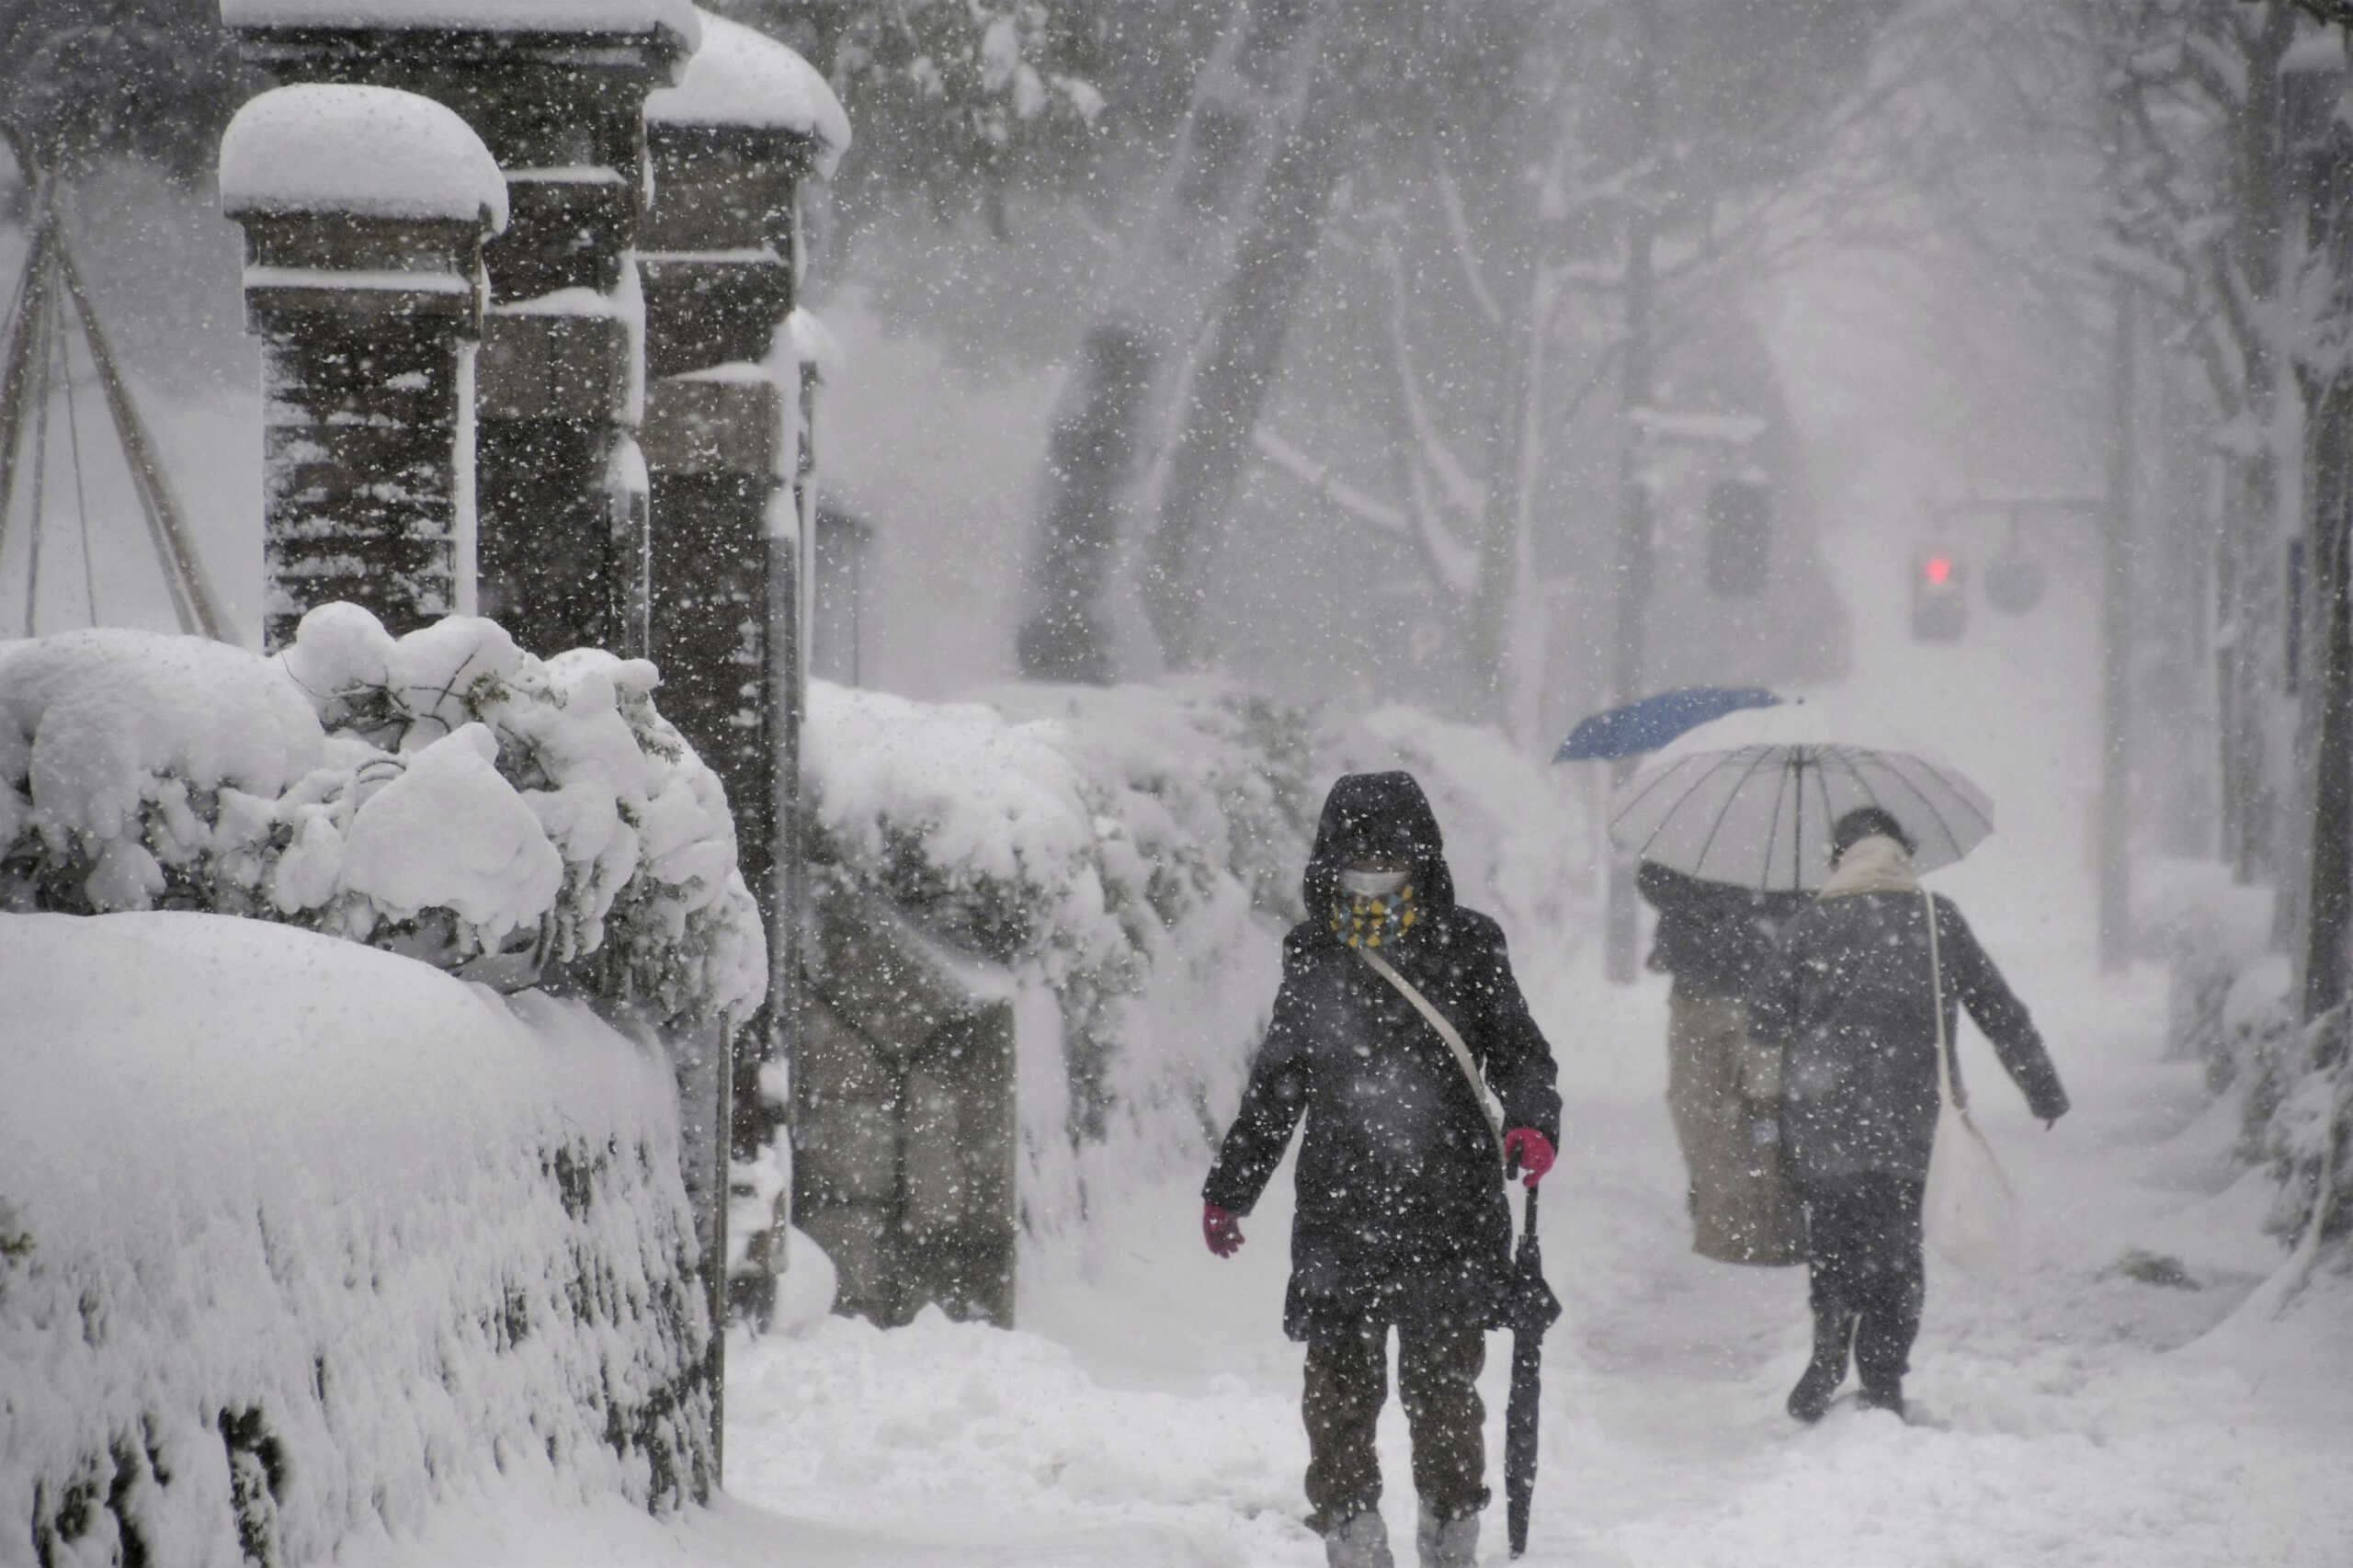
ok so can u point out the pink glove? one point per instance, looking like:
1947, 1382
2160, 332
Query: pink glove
1530, 1151
1221, 1229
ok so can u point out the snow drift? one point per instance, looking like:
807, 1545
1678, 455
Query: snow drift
299, 1239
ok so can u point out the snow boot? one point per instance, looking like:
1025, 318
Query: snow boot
1832, 1331
1447, 1543
1881, 1395
1360, 1541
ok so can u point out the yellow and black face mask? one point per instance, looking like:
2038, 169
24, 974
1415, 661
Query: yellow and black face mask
1377, 921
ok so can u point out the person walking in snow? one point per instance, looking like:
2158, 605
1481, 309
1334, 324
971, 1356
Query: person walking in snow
1402, 1221
1713, 938
1848, 1006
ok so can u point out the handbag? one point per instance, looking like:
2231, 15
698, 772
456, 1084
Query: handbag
1970, 1213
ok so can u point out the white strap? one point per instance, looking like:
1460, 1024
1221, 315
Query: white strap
1937, 992
1453, 1038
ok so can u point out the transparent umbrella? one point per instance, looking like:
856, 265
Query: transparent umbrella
1750, 799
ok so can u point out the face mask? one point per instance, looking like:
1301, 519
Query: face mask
1372, 884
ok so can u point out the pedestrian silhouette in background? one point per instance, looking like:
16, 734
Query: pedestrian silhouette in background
1851, 1007
1401, 1221
1715, 939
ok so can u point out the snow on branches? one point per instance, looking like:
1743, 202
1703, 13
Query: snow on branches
442, 794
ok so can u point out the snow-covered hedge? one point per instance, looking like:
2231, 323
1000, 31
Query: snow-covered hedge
297, 1238
2233, 1008
1132, 855
443, 793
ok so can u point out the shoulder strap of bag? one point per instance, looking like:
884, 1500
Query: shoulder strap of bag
1447, 1032
1936, 990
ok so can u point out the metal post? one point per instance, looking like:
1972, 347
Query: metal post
1621, 914
2116, 636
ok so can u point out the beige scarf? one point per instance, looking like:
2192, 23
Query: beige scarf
1877, 864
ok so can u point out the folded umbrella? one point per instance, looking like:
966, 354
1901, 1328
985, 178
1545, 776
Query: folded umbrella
1534, 1309
1646, 725
1750, 799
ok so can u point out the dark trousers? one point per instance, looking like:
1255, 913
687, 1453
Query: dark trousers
1862, 1239
1348, 1382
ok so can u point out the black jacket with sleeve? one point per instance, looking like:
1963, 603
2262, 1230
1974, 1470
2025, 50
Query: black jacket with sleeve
1713, 937
1847, 1003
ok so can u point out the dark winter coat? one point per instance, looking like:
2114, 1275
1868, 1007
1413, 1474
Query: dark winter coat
1402, 1217
1714, 939
1848, 1005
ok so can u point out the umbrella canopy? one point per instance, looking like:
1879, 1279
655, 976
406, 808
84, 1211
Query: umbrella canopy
1645, 726
1750, 799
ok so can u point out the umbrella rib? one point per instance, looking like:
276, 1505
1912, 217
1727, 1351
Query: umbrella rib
1855, 773
1714, 763
1663, 775
1930, 805
1725, 809
1984, 821
1773, 827
1796, 822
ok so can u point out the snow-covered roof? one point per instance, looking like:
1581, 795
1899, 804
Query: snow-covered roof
741, 77
471, 15
374, 152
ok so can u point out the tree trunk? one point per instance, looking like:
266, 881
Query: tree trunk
1090, 460
2321, 151
2328, 898
2257, 528
1238, 368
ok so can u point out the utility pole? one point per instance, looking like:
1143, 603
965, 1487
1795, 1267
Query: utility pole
1621, 914
2116, 635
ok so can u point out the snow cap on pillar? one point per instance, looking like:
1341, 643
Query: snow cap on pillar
742, 79
366, 151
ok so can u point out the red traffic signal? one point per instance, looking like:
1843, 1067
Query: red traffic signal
1939, 596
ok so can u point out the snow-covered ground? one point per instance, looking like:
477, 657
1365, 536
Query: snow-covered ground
1146, 1415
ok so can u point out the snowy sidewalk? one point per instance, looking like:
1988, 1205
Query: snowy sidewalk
1147, 1413
1145, 1416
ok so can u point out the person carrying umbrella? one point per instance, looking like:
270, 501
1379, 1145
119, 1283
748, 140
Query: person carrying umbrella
1401, 1221
1851, 1006
1713, 938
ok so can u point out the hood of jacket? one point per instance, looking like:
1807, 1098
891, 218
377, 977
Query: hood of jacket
1377, 813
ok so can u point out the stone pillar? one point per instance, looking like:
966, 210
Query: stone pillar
556, 94
367, 296
724, 440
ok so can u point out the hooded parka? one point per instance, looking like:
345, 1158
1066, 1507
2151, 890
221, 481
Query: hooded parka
1402, 1218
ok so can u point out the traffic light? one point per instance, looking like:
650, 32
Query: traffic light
1740, 537
2014, 582
1939, 596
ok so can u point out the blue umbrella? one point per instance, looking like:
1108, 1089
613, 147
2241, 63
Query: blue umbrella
1649, 724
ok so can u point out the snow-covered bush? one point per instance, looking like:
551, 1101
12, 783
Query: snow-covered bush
1132, 855
2299, 1110
2211, 930
298, 1239
2234, 1006
443, 793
